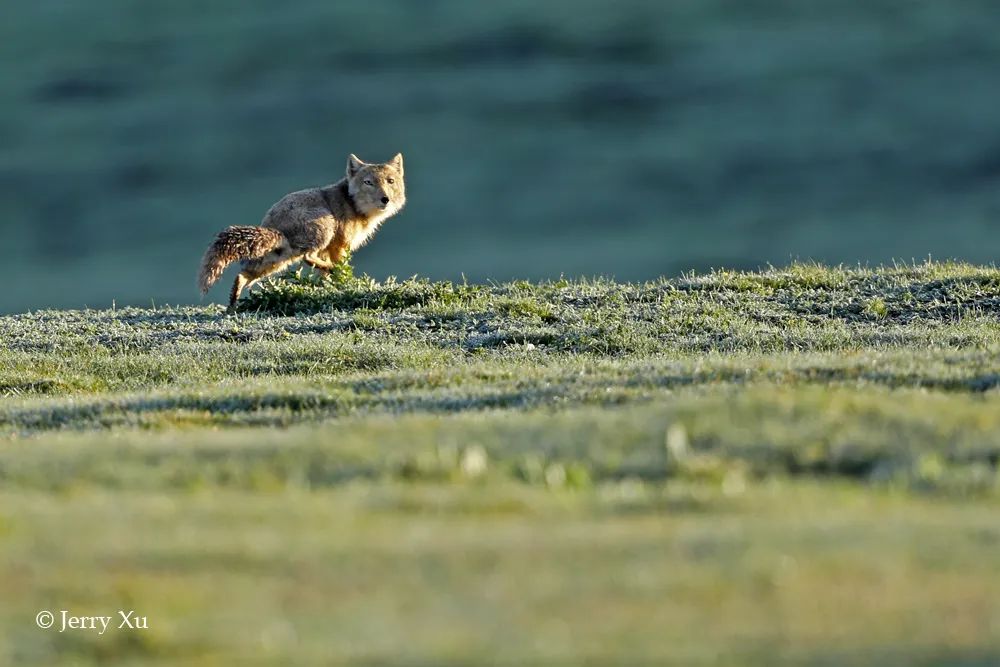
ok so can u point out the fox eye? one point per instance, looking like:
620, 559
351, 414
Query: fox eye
390, 180
368, 181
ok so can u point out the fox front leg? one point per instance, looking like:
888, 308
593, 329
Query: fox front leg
326, 259
318, 262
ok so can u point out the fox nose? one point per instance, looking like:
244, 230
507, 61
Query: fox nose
385, 200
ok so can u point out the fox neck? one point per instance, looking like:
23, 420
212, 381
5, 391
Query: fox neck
345, 190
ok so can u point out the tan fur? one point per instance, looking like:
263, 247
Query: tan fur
318, 226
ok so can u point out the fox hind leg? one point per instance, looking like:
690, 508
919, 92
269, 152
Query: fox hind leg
234, 294
254, 270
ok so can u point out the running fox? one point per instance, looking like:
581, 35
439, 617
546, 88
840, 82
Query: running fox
318, 226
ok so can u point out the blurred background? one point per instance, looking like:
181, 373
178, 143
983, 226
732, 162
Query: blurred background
571, 137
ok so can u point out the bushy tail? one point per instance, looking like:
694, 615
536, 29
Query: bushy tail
234, 244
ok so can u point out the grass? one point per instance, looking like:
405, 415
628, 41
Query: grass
795, 466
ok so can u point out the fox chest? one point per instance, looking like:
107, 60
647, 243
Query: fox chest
358, 233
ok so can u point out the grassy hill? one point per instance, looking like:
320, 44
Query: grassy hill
634, 139
798, 466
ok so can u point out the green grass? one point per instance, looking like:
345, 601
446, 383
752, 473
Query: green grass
797, 466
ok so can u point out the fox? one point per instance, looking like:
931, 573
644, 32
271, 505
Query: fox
317, 226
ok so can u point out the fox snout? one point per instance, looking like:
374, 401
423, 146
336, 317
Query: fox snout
385, 201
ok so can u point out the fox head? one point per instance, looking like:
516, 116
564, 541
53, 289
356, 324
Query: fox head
377, 189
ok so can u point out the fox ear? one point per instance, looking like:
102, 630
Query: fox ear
397, 162
354, 163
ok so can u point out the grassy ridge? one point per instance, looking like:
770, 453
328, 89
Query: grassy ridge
798, 466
